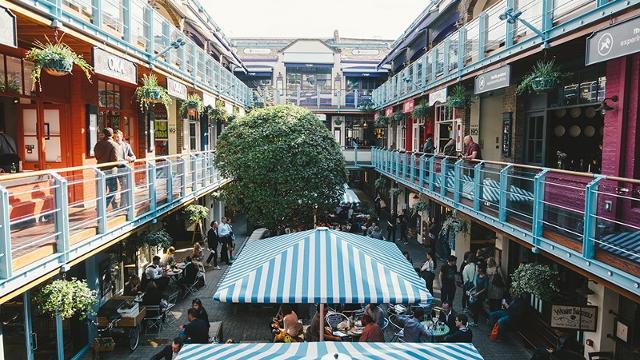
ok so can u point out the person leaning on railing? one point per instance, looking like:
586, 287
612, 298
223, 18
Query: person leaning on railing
107, 151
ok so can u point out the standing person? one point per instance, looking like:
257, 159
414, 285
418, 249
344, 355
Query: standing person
212, 242
126, 154
448, 280
495, 293
9, 159
428, 272
391, 228
404, 224
107, 151
478, 294
428, 147
469, 273
224, 234
471, 149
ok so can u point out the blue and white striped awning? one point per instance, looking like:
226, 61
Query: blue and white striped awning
318, 350
322, 266
624, 244
349, 196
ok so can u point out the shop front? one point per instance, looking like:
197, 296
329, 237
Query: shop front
488, 113
166, 125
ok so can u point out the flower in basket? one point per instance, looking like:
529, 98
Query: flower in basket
192, 105
382, 121
421, 111
56, 59
543, 77
159, 238
12, 86
535, 279
151, 93
459, 98
66, 298
398, 116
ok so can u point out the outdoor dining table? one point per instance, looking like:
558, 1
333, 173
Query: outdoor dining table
437, 331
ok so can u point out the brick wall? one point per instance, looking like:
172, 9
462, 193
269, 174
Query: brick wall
519, 122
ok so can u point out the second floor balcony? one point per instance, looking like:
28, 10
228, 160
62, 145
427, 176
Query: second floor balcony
318, 98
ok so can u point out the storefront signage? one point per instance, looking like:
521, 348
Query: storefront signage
114, 66
365, 52
574, 317
8, 28
177, 89
438, 96
407, 106
388, 111
612, 42
507, 123
257, 51
493, 80
208, 99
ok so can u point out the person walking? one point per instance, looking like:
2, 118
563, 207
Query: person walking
224, 235
428, 272
469, 273
212, 243
126, 154
391, 228
404, 224
448, 280
107, 151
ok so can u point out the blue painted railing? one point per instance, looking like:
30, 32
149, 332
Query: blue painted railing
50, 218
589, 220
487, 39
134, 27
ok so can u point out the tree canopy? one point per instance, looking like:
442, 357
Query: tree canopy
284, 162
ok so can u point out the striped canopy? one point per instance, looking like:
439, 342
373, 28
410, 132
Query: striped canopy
318, 350
624, 244
322, 266
349, 196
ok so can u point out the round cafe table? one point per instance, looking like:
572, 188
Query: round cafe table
438, 332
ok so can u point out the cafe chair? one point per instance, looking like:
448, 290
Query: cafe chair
171, 300
335, 318
398, 331
153, 318
601, 355
193, 288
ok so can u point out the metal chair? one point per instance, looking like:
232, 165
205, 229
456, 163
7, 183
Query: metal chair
153, 318
171, 300
335, 318
398, 331
193, 288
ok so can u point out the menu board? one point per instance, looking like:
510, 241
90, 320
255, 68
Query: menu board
574, 317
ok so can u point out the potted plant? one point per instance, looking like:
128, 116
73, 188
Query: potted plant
543, 77
159, 238
459, 98
337, 121
192, 105
217, 113
151, 93
381, 184
421, 111
535, 279
194, 215
421, 206
382, 121
56, 59
12, 87
398, 116
66, 298
367, 106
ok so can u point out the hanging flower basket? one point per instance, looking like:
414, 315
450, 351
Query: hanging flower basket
398, 116
421, 206
192, 105
151, 93
543, 84
459, 98
535, 279
338, 121
58, 66
544, 77
420, 112
66, 298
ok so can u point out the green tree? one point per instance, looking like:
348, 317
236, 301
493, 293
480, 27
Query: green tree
284, 163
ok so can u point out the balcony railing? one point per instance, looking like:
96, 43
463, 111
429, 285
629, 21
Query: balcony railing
48, 218
592, 221
487, 39
316, 98
143, 32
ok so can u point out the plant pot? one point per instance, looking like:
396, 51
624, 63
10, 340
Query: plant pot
457, 103
191, 111
543, 84
58, 66
337, 121
152, 95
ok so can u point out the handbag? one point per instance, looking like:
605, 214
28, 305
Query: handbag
494, 332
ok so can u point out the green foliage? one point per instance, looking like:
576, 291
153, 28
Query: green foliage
193, 102
543, 71
66, 298
382, 121
367, 106
43, 55
421, 111
218, 113
398, 116
284, 162
12, 86
159, 238
421, 206
535, 279
150, 93
195, 214
337, 121
395, 191
459, 98
381, 184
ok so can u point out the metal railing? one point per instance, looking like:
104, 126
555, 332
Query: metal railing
489, 38
588, 219
136, 26
316, 98
53, 215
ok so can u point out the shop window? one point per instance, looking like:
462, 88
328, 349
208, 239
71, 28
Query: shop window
193, 136
535, 139
110, 113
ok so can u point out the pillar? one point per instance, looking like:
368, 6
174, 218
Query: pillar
463, 244
93, 281
606, 300
502, 244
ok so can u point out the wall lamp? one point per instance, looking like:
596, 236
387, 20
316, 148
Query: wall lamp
512, 16
176, 44
604, 107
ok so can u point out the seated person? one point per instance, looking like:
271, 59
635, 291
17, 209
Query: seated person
154, 272
132, 287
512, 313
201, 313
197, 254
448, 316
372, 332
168, 259
291, 329
414, 330
313, 331
169, 352
462, 334
376, 314
190, 274
152, 295
197, 330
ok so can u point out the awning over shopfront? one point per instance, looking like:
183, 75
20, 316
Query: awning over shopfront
318, 350
322, 266
349, 196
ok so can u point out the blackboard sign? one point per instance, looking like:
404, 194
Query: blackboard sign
583, 318
507, 122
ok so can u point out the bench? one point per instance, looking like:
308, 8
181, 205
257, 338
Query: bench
535, 333
215, 332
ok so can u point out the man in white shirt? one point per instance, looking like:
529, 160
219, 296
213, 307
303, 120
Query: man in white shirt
225, 234
154, 272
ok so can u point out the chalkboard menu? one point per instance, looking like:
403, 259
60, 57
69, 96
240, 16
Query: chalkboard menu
507, 122
574, 317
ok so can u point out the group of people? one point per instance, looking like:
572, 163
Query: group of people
112, 148
196, 331
471, 148
220, 234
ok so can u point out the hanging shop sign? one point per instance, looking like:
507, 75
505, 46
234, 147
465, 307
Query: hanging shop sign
8, 32
612, 42
493, 80
177, 89
208, 99
407, 106
388, 111
574, 317
507, 123
438, 96
114, 66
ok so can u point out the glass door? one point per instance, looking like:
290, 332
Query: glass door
41, 144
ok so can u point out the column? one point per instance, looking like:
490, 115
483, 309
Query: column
502, 244
606, 300
463, 244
